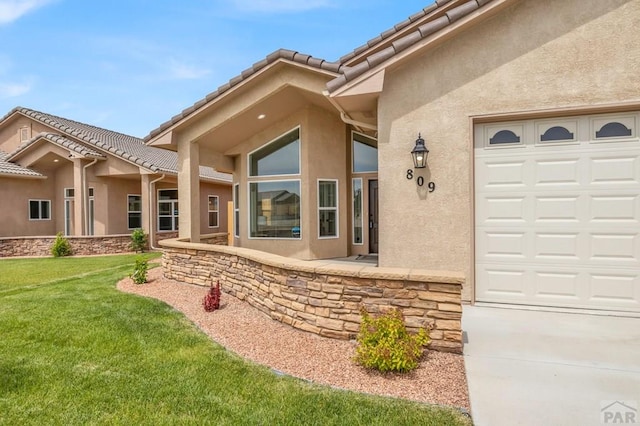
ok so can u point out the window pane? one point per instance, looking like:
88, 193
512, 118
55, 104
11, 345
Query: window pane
164, 208
34, 210
44, 210
168, 194
327, 194
135, 203
281, 157
328, 223
165, 224
357, 211
275, 209
213, 203
135, 220
237, 223
365, 154
213, 219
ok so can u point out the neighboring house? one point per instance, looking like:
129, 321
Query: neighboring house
59, 175
530, 110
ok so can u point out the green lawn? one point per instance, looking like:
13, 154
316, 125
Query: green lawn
74, 350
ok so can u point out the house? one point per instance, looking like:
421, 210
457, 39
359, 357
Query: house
59, 175
529, 110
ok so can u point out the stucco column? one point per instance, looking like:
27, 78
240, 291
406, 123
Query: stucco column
189, 190
145, 188
78, 199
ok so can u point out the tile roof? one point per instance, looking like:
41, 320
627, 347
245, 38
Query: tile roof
8, 168
60, 141
127, 147
423, 31
343, 72
289, 55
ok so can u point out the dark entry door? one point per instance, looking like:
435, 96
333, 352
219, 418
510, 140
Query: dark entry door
373, 216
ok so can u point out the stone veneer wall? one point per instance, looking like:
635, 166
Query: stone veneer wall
323, 298
80, 246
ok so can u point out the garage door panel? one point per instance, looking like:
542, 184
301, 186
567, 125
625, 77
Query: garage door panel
557, 172
615, 170
613, 209
558, 224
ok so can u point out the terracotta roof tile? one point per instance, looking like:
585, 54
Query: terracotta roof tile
8, 168
408, 40
290, 55
127, 147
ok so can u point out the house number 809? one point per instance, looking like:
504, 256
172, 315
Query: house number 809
420, 181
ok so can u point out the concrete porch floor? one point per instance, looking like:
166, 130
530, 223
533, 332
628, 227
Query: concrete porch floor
527, 367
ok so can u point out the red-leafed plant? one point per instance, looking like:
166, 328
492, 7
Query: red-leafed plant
212, 299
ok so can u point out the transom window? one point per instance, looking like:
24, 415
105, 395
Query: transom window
327, 208
39, 209
279, 157
365, 154
274, 209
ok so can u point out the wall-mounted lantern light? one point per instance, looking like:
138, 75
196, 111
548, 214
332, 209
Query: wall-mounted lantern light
420, 153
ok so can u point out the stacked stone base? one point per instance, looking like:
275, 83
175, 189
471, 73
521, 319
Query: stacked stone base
325, 300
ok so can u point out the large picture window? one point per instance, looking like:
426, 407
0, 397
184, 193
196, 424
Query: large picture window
274, 209
134, 211
213, 211
327, 208
279, 157
168, 210
39, 209
365, 154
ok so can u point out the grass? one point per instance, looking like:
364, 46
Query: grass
77, 351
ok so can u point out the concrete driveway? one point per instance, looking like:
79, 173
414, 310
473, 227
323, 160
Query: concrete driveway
549, 368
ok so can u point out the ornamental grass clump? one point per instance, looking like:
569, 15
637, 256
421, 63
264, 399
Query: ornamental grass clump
384, 343
211, 301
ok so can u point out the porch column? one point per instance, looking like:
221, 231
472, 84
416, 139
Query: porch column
78, 199
145, 187
189, 190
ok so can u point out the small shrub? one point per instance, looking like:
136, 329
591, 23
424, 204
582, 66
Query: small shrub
138, 241
139, 275
385, 345
211, 301
61, 246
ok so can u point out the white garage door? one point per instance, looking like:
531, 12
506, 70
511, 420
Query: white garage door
558, 212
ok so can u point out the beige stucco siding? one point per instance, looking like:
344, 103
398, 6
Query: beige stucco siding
223, 192
15, 195
538, 54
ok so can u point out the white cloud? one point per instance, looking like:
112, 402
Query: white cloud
11, 10
182, 71
12, 90
279, 6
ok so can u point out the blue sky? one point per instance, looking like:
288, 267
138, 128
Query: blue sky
130, 65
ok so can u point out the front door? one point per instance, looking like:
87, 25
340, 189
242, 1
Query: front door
373, 216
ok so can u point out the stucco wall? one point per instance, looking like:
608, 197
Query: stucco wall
15, 195
323, 154
537, 54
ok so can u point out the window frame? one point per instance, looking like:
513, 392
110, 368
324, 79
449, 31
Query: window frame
216, 211
236, 210
299, 129
353, 152
353, 215
335, 209
129, 212
299, 238
175, 219
40, 202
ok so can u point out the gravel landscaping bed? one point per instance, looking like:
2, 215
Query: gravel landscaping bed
242, 329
